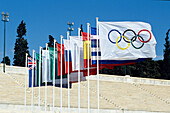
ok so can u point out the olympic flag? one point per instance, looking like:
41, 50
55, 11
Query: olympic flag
126, 40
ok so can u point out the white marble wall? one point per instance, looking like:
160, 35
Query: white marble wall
129, 79
21, 108
14, 69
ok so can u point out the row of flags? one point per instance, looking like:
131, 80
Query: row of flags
119, 43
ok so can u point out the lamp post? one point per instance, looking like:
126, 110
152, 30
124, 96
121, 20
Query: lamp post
70, 29
4, 19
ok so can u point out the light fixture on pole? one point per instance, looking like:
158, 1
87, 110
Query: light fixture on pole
4, 19
70, 29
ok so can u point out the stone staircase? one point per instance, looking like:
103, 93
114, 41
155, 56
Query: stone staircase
118, 96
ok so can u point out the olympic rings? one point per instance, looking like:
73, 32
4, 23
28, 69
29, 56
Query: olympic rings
118, 42
149, 37
130, 41
109, 36
138, 38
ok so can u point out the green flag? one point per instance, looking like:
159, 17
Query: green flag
51, 59
38, 64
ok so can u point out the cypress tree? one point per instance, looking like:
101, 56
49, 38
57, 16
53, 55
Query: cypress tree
147, 69
21, 46
166, 60
7, 60
81, 29
51, 41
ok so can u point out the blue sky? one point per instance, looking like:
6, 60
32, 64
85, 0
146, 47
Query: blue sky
50, 17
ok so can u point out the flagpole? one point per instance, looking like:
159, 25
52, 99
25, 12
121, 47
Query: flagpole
68, 77
46, 80
35, 79
39, 77
54, 79
61, 82
26, 59
88, 68
98, 103
79, 73
49, 72
32, 84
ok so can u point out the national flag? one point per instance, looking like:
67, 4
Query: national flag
93, 31
67, 53
51, 59
76, 43
46, 66
31, 66
59, 59
38, 64
85, 49
126, 40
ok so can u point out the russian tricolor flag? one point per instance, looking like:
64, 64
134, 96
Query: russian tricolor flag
67, 51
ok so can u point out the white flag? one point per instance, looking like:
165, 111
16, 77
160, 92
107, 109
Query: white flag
45, 72
126, 40
66, 44
74, 46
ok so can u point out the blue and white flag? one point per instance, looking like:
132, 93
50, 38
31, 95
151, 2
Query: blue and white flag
126, 40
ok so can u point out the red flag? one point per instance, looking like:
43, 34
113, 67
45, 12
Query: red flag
59, 59
85, 36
